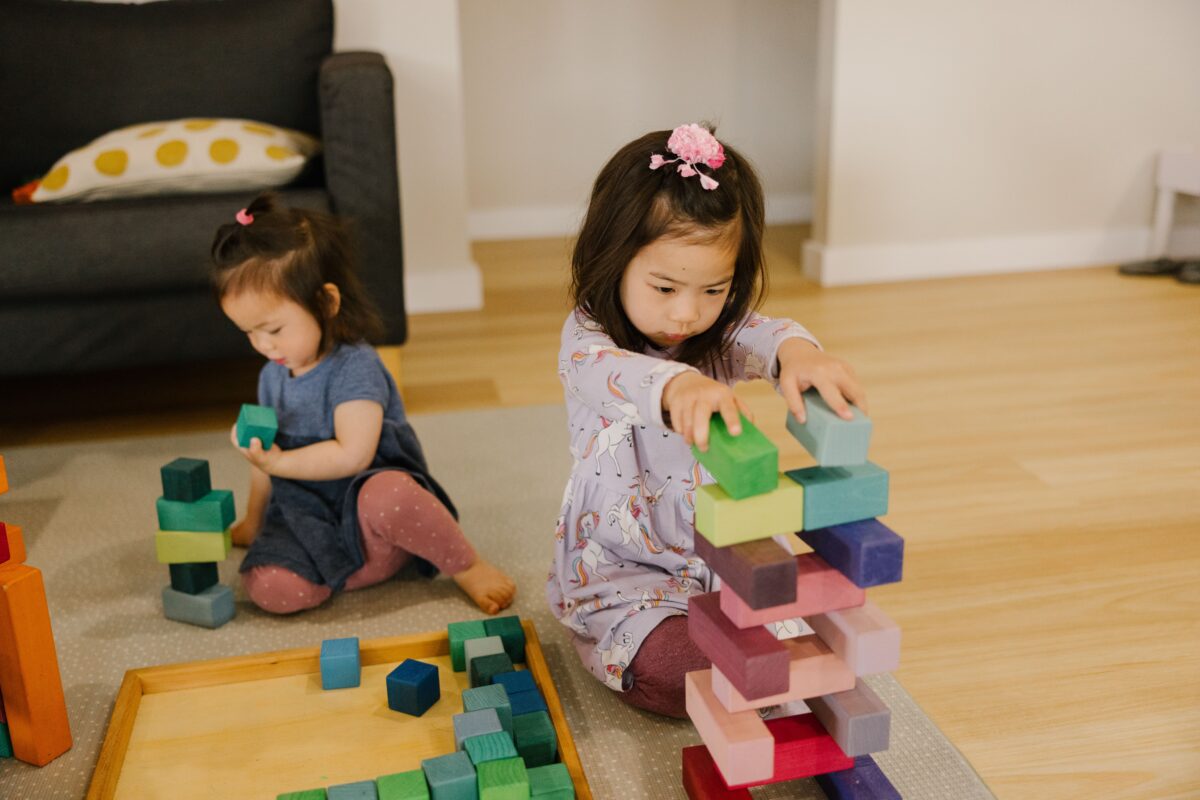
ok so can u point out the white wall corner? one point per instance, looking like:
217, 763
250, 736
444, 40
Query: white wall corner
811, 260
448, 288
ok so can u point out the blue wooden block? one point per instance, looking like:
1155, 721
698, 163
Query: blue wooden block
868, 552
527, 702
257, 422
413, 687
186, 479
837, 495
832, 441
490, 696
451, 777
864, 781
359, 790
513, 682
212, 513
210, 608
340, 665
475, 723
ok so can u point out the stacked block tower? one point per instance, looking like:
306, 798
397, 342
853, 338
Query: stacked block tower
194, 535
33, 710
791, 636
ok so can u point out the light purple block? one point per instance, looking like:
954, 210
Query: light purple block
863, 637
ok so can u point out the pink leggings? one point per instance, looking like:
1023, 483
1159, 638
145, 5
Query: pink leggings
666, 655
398, 519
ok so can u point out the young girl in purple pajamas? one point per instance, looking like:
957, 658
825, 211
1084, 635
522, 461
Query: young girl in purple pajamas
343, 499
666, 272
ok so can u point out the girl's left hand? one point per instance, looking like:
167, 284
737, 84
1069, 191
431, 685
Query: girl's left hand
802, 366
263, 459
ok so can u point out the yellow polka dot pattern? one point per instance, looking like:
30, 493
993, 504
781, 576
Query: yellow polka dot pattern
112, 162
223, 151
278, 152
199, 124
261, 130
56, 178
172, 153
155, 131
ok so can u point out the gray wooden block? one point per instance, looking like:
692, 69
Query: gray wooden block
857, 719
832, 441
475, 723
482, 646
210, 608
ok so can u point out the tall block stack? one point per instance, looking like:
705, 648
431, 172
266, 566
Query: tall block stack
33, 710
791, 636
194, 535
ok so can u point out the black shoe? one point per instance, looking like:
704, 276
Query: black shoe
1159, 266
1189, 272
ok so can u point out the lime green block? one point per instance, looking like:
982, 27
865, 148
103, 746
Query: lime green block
725, 521
409, 785
257, 422
214, 512
489, 747
307, 794
505, 779
551, 782
744, 465
459, 633
185, 547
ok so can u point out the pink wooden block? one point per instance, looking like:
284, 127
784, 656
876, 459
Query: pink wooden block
819, 588
741, 744
813, 670
864, 637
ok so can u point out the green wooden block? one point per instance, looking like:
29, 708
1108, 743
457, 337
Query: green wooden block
505, 779
306, 794
213, 512
837, 495
484, 668
725, 520
744, 465
490, 696
459, 633
409, 785
490, 747
510, 631
6, 750
551, 782
535, 738
183, 547
481, 646
257, 422
186, 479
832, 441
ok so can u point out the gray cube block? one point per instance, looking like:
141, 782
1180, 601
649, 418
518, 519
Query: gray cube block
475, 723
211, 608
856, 719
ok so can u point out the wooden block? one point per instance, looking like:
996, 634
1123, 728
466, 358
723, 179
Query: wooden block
409, 785
481, 646
724, 520
535, 738
489, 747
213, 513
527, 703
504, 779
869, 553
412, 687
752, 659
451, 777
864, 781
743, 465
491, 696
210, 608
257, 422
802, 749
6, 750
485, 668
475, 723
762, 572
740, 744
341, 667
459, 633
511, 633
303, 794
702, 780
551, 782
516, 681
12, 544
832, 441
813, 670
184, 547
819, 588
193, 578
864, 637
837, 495
856, 719
33, 695
359, 790
186, 479
3, 477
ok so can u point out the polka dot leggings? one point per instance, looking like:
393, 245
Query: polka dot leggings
398, 519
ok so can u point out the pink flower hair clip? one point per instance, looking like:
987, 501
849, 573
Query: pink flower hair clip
692, 145
244, 217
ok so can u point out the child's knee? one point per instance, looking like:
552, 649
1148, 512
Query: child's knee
281, 591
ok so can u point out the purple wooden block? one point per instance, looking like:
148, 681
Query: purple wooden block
865, 781
867, 552
761, 572
752, 659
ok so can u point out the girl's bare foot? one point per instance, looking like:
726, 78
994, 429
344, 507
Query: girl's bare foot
490, 588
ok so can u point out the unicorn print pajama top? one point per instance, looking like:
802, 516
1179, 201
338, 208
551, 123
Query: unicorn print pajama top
624, 559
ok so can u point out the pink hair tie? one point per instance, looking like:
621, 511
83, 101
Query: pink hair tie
243, 217
692, 145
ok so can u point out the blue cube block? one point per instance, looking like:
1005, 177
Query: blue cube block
837, 495
527, 702
210, 608
869, 553
413, 687
340, 665
359, 790
451, 777
513, 682
475, 723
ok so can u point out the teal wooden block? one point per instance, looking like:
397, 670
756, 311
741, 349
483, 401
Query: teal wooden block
257, 422
517, 681
193, 578
535, 738
490, 696
504, 779
832, 441
527, 703
481, 646
510, 631
484, 668
186, 479
460, 633
490, 747
475, 723
551, 782
210, 608
6, 750
409, 785
341, 667
214, 512
743, 465
359, 790
304, 794
451, 777
837, 495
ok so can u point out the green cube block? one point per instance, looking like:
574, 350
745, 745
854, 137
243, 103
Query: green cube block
510, 631
484, 668
459, 633
535, 738
837, 495
186, 479
214, 512
306, 794
257, 422
505, 779
832, 441
490, 747
491, 696
744, 465
551, 782
409, 785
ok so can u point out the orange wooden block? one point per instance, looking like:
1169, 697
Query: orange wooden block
12, 544
813, 670
29, 677
3, 477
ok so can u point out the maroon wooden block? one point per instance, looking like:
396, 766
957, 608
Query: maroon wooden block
802, 749
761, 572
702, 780
752, 659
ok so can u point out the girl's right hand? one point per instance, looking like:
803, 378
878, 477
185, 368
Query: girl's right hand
691, 399
243, 533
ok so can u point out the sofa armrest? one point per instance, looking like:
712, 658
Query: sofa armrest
359, 137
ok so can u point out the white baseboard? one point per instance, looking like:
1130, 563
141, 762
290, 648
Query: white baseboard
453, 289
839, 266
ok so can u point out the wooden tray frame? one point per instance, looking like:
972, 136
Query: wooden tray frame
301, 661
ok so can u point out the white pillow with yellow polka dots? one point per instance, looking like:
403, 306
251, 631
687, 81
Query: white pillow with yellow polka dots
179, 157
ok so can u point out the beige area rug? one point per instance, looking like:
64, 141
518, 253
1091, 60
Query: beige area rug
88, 514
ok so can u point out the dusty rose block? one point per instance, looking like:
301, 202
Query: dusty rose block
740, 743
819, 588
813, 670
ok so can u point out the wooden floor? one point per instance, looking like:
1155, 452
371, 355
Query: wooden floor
1042, 432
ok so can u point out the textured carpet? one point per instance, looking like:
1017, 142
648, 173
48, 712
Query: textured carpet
88, 515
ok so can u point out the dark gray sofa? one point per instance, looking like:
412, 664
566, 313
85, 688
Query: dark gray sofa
119, 283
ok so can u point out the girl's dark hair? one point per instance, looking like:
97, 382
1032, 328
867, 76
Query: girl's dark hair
293, 253
633, 205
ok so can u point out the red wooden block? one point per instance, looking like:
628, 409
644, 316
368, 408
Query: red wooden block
702, 780
752, 659
12, 544
819, 589
762, 572
802, 749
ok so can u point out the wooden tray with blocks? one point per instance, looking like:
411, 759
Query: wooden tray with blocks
259, 725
